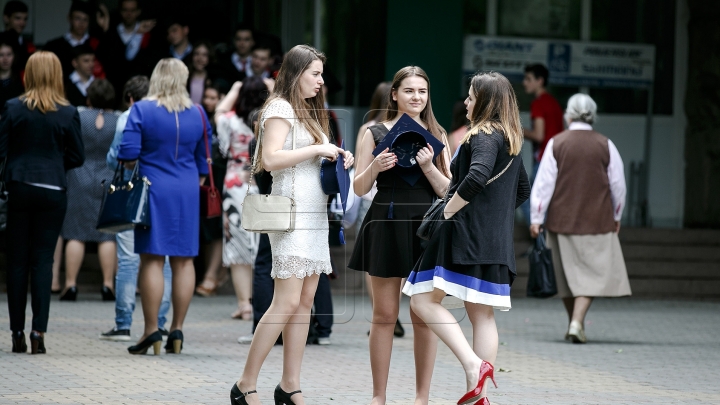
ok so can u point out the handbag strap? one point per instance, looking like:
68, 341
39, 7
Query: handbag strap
207, 147
261, 131
501, 173
497, 176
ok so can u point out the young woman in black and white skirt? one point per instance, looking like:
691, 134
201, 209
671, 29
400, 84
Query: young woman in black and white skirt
470, 255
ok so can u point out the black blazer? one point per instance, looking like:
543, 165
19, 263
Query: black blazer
483, 229
39, 147
73, 95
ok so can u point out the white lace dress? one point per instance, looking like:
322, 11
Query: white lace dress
305, 251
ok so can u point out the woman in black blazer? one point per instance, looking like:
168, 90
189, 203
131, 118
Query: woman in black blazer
40, 140
470, 254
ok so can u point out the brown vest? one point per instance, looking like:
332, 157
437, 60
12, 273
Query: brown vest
581, 203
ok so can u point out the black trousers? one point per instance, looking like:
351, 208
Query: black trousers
35, 217
323, 307
263, 284
264, 287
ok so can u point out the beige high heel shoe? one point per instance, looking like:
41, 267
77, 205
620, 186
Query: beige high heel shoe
576, 333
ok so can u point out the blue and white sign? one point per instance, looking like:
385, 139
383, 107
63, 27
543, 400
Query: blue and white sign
571, 63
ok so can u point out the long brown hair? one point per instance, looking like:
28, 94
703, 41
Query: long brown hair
309, 112
426, 115
495, 108
44, 88
378, 102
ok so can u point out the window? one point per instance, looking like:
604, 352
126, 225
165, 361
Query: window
539, 18
639, 21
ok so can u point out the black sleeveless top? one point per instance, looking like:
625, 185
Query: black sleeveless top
387, 245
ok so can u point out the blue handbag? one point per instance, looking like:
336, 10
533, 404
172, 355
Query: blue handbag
125, 204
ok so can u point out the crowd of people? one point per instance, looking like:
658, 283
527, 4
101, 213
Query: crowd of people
62, 134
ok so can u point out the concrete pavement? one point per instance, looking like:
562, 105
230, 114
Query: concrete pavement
639, 352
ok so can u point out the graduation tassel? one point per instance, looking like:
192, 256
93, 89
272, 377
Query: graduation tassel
390, 210
342, 235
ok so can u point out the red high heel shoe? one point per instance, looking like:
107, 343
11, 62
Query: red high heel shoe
483, 401
486, 370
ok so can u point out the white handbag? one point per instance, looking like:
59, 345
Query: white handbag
266, 213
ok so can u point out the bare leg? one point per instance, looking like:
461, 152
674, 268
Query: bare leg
442, 322
285, 303
152, 285
386, 306
295, 337
183, 280
580, 308
485, 334
368, 285
57, 257
107, 252
242, 282
213, 264
425, 347
74, 255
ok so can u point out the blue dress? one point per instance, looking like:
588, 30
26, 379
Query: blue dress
171, 152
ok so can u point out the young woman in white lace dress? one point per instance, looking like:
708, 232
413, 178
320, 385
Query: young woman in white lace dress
299, 257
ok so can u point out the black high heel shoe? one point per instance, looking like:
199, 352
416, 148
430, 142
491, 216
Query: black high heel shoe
399, 330
154, 340
237, 397
107, 294
37, 343
174, 342
282, 397
70, 294
19, 345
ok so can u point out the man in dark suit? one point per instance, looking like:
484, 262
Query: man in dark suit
178, 33
79, 80
125, 50
15, 16
79, 19
239, 63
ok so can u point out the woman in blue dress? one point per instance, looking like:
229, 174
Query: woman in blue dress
164, 135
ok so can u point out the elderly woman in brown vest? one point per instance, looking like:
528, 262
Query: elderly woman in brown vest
579, 196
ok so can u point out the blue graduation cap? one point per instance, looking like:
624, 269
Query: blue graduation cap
335, 179
405, 139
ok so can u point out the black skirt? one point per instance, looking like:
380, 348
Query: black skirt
388, 247
487, 284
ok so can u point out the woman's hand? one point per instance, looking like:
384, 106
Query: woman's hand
455, 204
384, 161
226, 226
534, 230
328, 151
424, 158
349, 159
130, 165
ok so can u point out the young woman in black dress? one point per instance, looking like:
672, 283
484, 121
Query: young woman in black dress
470, 255
387, 247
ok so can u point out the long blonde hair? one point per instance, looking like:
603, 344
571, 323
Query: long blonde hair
167, 85
309, 112
44, 88
496, 109
427, 116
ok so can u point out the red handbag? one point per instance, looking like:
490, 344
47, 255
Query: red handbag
210, 204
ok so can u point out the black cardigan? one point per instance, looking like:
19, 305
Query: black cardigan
39, 147
483, 229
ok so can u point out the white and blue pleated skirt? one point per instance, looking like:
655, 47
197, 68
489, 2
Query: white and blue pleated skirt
486, 284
